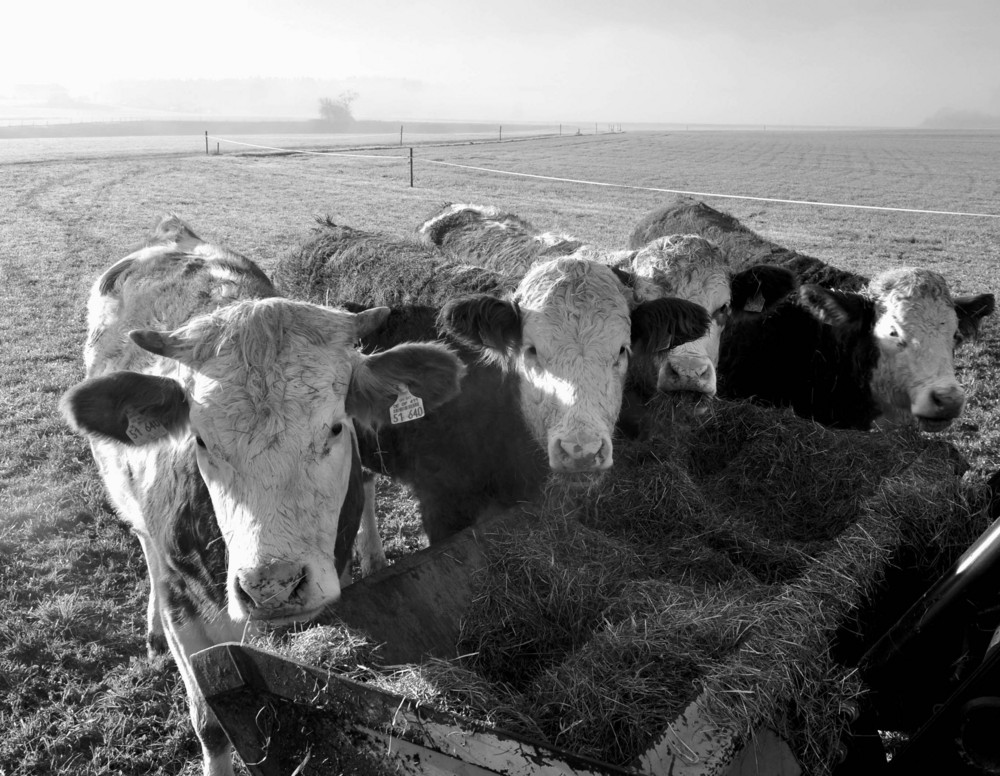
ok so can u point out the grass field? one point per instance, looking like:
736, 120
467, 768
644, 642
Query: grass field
77, 694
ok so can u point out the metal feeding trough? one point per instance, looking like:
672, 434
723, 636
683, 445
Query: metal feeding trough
282, 715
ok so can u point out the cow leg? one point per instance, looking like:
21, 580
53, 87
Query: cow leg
156, 640
184, 641
368, 548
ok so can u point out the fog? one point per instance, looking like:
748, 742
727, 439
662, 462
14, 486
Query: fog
777, 62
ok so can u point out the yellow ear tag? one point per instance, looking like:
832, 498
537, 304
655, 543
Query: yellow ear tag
143, 429
407, 407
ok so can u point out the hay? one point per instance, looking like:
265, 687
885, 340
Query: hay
752, 531
717, 559
741, 246
339, 264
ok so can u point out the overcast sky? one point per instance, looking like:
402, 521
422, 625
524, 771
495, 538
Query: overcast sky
830, 62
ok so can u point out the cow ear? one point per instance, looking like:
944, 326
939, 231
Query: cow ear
666, 323
370, 320
485, 323
626, 277
971, 310
161, 343
760, 287
836, 308
127, 407
429, 371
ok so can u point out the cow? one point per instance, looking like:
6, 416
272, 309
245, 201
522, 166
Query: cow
692, 268
223, 419
546, 365
741, 247
878, 357
486, 236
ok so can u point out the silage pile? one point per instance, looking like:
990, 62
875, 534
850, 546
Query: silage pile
716, 559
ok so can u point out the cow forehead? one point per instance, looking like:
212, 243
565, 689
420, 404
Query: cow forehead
685, 266
572, 300
915, 298
910, 283
253, 419
270, 365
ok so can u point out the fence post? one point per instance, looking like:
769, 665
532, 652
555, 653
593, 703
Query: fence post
217, 152
206, 142
501, 133
401, 134
411, 167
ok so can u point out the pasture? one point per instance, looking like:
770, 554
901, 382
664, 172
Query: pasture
77, 694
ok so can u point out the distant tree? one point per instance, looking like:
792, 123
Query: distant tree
338, 112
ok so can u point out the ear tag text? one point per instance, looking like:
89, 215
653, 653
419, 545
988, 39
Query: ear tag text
407, 407
143, 429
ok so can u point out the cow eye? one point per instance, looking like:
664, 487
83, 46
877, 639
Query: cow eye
200, 442
721, 315
336, 428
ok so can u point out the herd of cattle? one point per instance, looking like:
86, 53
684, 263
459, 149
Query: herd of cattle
469, 366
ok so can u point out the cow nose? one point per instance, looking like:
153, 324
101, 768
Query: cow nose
575, 454
687, 373
947, 401
270, 586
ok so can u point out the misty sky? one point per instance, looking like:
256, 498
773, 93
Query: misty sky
852, 62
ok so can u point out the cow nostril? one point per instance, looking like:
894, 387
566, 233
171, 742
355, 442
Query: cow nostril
570, 449
272, 586
244, 597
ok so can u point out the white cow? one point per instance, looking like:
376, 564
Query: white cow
222, 421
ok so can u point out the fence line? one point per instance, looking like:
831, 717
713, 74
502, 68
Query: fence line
301, 151
623, 185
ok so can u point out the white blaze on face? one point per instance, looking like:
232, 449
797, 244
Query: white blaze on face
574, 354
691, 268
915, 332
275, 447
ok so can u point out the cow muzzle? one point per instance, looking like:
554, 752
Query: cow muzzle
577, 453
936, 406
282, 590
687, 372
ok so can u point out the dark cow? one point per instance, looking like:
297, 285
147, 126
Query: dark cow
546, 366
855, 359
488, 237
222, 419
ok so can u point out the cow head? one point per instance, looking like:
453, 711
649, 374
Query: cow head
917, 329
566, 333
265, 394
692, 268
916, 326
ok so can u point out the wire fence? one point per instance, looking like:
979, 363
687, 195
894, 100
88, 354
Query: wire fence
583, 182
